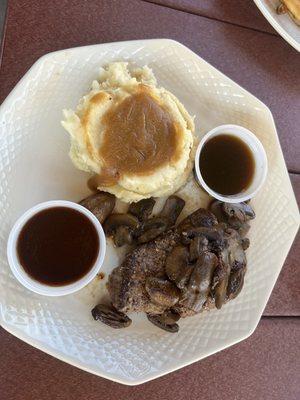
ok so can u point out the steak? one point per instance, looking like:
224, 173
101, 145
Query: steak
126, 283
196, 266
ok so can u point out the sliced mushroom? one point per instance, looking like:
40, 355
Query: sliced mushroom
171, 316
191, 232
241, 211
220, 281
236, 253
235, 284
142, 209
172, 209
232, 259
116, 220
101, 204
197, 246
151, 228
203, 271
214, 235
243, 229
110, 316
235, 215
200, 282
177, 266
245, 243
162, 291
123, 235
216, 207
200, 217
220, 291
166, 321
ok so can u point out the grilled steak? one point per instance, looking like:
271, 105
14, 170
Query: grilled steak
126, 284
196, 266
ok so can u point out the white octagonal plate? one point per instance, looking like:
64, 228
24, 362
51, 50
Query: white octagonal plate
34, 167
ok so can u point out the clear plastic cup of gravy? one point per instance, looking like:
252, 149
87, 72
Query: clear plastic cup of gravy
231, 163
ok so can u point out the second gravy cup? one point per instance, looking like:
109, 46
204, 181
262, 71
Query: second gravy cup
259, 155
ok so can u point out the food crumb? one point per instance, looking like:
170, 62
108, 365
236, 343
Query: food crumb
100, 275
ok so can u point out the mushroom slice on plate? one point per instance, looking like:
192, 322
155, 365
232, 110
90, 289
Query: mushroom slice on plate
162, 292
166, 321
142, 209
200, 217
199, 285
177, 266
101, 204
216, 207
220, 281
172, 209
231, 259
121, 227
123, 235
110, 316
151, 228
241, 211
197, 246
235, 215
235, 283
214, 235
237, 256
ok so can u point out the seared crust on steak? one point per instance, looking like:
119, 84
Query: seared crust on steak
126, 284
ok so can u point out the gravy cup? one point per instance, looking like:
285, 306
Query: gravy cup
36, 286
260, 160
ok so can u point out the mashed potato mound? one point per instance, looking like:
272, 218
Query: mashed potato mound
137, 137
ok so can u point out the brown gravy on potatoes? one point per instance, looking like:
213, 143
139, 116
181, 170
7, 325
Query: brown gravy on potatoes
58, 246
140, 136
227, 164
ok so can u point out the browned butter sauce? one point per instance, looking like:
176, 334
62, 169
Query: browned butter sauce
227, 164
58, 246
